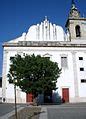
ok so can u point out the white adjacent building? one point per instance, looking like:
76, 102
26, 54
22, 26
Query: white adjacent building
50, 40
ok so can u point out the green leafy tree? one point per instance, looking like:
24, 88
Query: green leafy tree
34, 74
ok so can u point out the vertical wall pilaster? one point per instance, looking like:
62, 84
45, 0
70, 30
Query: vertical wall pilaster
4, 75
75, 75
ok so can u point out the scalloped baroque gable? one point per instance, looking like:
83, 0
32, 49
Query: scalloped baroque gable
45, 31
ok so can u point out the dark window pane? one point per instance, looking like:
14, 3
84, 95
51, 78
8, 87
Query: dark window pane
83, 80
80, 58
81, 69
78, 33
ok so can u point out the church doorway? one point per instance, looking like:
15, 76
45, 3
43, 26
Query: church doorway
65, 95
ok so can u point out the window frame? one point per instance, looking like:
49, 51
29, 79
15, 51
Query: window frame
64, 61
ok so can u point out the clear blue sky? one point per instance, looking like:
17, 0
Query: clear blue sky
16, 16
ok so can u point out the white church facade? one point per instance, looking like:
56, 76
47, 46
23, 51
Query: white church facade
50, 40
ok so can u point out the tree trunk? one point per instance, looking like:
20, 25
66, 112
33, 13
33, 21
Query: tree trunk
35, 101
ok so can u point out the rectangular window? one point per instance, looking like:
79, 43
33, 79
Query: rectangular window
81, 69
80, 58
64, 62
83, 80
11, 58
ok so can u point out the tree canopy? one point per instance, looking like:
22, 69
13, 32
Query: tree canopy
34, 74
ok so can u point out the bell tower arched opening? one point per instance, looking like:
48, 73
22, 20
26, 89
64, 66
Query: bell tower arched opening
78, 32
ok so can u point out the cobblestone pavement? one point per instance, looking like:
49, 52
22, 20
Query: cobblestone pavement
67, 111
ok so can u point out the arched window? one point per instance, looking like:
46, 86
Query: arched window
78, 33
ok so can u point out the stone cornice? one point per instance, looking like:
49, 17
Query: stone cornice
84, 19
70, 18
44, 44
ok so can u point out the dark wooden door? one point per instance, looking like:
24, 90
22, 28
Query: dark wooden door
65, 94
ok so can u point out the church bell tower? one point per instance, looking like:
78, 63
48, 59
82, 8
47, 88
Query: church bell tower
76, 25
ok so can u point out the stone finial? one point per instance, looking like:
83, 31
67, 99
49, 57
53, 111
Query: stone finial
45, 18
